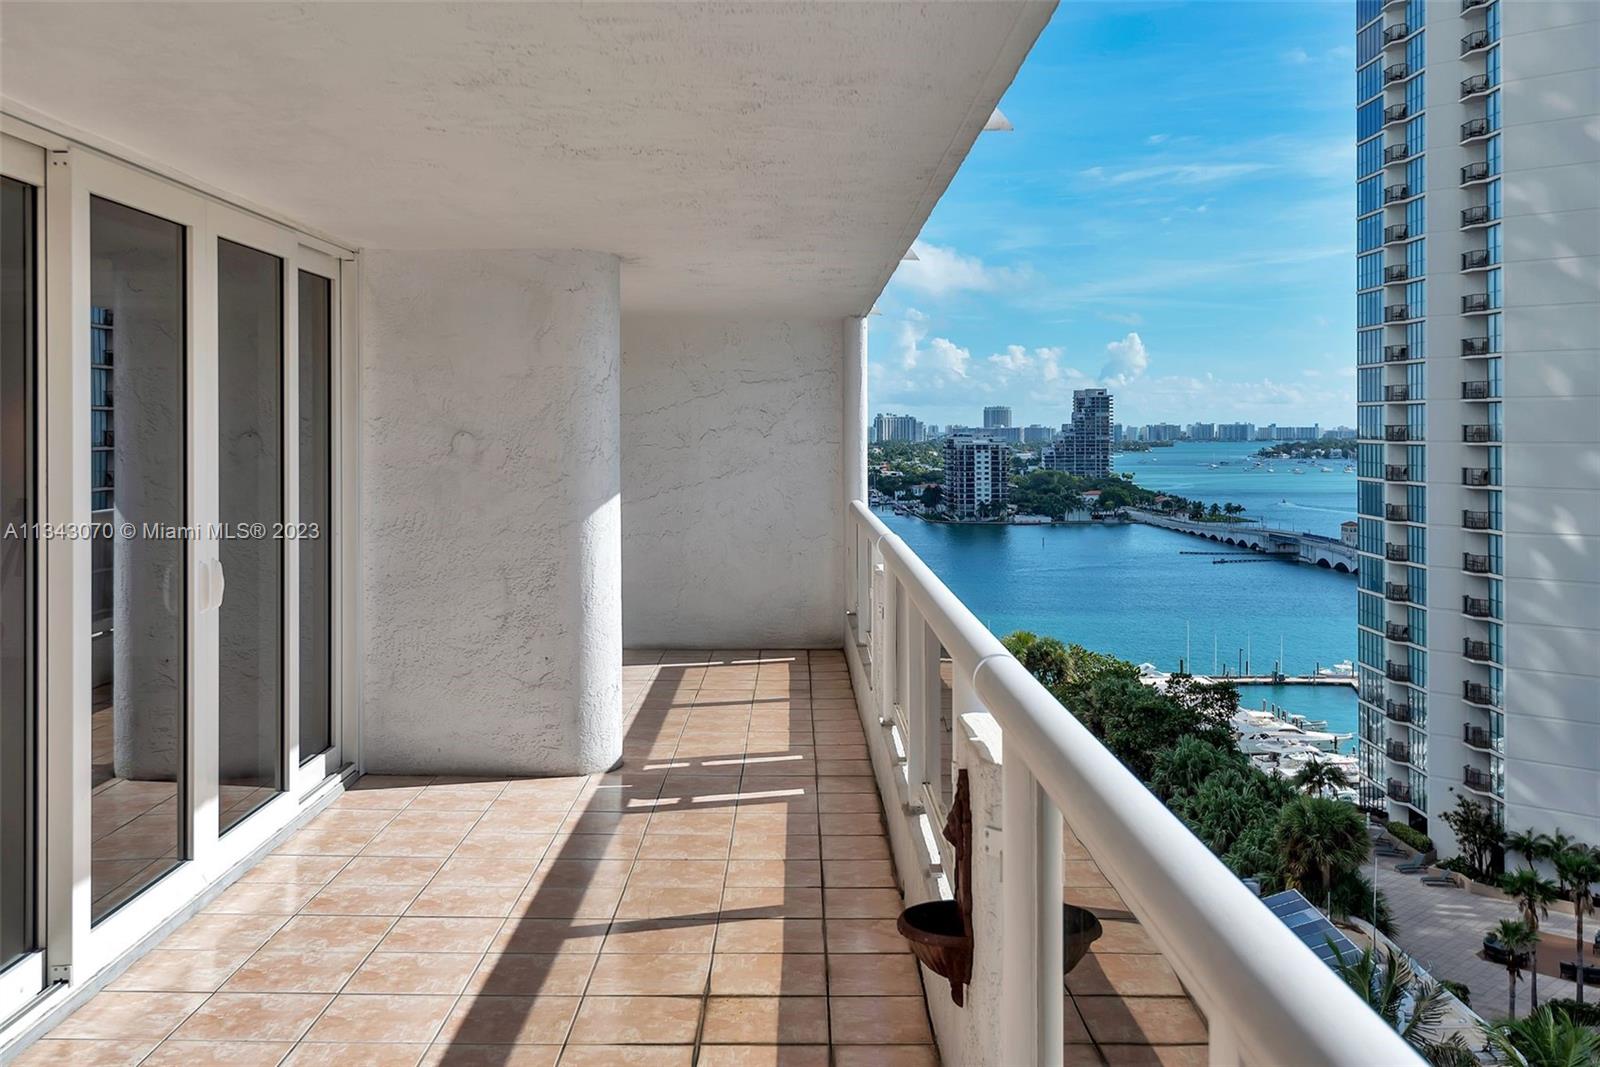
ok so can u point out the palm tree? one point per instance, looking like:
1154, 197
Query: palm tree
1319, 839
1533, 895
1516, 938
1415, 1008
1546, 1038
1321, 777
1578, 869
1530, 844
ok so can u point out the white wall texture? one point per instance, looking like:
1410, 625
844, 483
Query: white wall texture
732, 467
490, 527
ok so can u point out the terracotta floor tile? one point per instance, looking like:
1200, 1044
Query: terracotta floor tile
881, 1020
1155, 1056
650, 975
559, 870
330, 933
667, 902
218, 1054
225, 933
253, 1017
755, 845
414, 972
544, 936
1142, 1020
563, 974
480, 901
655, 936
770, 935
261, 898
294, 971
378, 1017
1124, 974
764, 1056
389, 870
359, 899
423, 843
304, 870
873, 975
862, 903
425, 934
354, 1054
58, 1052
762, 873
886, 1056
765, 1020
769, 974
864, 935
458, 1054
125, 1016
678, 873
164, 970
510, 1021
636, 1021
628, 1056
859, 874
773, 902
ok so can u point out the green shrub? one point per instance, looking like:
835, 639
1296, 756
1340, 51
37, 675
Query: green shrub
1585, 1014
1412, 839
1458, 990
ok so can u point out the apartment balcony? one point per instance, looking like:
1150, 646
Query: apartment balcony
1397, 672
1477, 737
1474, 563
1478, 390
1477, 780
1475, 85
1395, 153
1396, 513
1480, 433
1475, 346
1476, 259
1469, 6
1396, 272
1395, 711
1476, 304
1477, 651
1396, 393
1476, 477
1398, 751
1473, 129
1396, 232
1396, 113
1395, 194
1479, 694
1476, 607
1474, 172
1397, 432
1398, 313
1476, 41
1396, 72
1475, 520
1477, 215
1398, 631
1396, 472
1397, 790
1396, 353
1396, 32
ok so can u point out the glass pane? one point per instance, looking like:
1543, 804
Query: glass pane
139, 584
18, 316
250, 421
316, 514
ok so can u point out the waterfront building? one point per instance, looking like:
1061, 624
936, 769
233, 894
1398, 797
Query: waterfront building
977, 475
1162, 431
1297, 433
1084, 447
1037, 435
1236, 431
996, 416
1202, 431
1477, 191
890, 427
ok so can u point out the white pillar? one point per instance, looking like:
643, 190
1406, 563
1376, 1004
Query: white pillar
855, 467
491, 516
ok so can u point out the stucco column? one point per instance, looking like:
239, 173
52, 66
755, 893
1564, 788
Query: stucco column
491, 522
855, 470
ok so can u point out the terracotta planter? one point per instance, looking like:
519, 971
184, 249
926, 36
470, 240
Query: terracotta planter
940, 941
1079, 929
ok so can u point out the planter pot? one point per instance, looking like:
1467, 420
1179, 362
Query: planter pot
1079, 929
940, 941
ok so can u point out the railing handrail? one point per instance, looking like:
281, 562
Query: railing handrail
1254, 977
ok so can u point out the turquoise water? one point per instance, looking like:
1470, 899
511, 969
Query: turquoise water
1130, 590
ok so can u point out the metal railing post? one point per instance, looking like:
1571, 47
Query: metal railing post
914, 700
1031, 877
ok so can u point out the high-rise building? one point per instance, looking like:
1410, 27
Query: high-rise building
977, 472
1085, 448
1037, 435
891, 427
996, 416
1163, 431
1476, 200
1202, 431
1235, 431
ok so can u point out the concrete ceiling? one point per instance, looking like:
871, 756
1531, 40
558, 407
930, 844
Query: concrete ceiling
741, 158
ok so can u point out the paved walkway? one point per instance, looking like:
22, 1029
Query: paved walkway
1443, 929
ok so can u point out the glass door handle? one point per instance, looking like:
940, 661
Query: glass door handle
210, 584
219, 583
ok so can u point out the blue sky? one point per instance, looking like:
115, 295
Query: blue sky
1172, 218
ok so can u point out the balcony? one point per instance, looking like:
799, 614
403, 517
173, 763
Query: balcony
1477, 215
1469, 6
1396, 272
1477, 737
1476, 259
1474, 563
1477, 607
1396, 513
1480, 433
1396, 393
1475, 477
1395, 113
1478, 83
1475, 520
1478, 390
1395, 193
1395, 72
1396, 472
1396, 152
1476, 303
1394, 32
1397, 432
1475, 346
1395, 232
1472, 129
1397, 313
1477, 651
1397, 712
1396, 553
1478, 693
1397, 631
1399, 791
1475, 41
1474, 172
1476, 780
1396, 353
1398, 751
1397, 672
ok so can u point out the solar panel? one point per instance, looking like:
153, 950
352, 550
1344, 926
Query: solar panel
1311, 926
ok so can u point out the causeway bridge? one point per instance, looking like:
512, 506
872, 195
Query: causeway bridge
1312, 549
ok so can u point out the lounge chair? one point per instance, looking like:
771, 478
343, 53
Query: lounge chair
1440, 879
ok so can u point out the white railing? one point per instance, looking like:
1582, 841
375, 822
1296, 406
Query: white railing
1267, 998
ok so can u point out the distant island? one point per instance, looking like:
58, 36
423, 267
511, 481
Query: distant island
1327, 448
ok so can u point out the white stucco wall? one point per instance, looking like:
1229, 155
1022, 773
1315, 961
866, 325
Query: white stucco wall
732, 468
490, 532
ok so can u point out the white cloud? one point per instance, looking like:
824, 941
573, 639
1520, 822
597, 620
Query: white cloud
1176, 173
1125, 360
938, 270
1157, 138
949, 357
1015, 358
1297, 56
